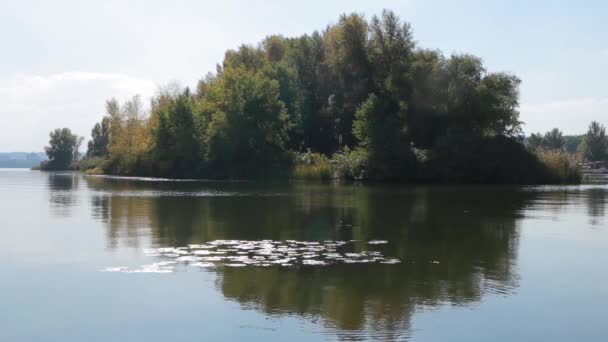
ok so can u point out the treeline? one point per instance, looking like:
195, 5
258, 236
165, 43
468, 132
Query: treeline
560, 153
590, 147
358, 100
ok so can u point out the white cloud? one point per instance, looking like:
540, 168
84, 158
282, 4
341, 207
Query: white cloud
572, 116
32, 105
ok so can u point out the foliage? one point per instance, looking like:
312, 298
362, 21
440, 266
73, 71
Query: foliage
99, 164
311, 166
535, 141
595, 143
552, 140
572, 143
350, 164
100, 139
466, 159
62, 150
561, 166
244, 125
131, 139
360, 93
378, 127
176, 147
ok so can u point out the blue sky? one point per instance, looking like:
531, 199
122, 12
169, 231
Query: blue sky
61, 59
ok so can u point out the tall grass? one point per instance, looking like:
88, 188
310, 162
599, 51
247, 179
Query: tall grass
311, 166
560, 166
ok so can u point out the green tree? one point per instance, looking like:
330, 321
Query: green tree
316, 124
595, 144
176, 143
535, 141
391, 46
100, 139
360, 88
245, 124
350, 74
380, 131
572, 143
62, 149
551, 140
554, 140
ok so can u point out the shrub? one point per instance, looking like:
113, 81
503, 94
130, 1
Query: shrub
498, 159
560, 166
311, 166
47, 165
95, 171
350, 164
93, 163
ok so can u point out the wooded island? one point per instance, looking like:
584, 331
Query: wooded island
358, 101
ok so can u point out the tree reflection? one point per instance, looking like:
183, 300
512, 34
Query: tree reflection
596, 205
455, 246
456, 243
62, 194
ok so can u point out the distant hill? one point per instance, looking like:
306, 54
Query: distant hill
21, 159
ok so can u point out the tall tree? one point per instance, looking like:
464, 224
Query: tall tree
130, 136
554, 140
535, 141
176, 148
391, 46
246, 129
595, 144
351, 74
63, 148
100, 139
317, 124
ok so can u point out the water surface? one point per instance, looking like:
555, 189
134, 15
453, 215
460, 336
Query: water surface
477, 263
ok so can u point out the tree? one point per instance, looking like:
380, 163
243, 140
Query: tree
595, 144
176, 147
391, 46
100, 139
458, 97
62, 149
130, 137
350, 74
554, 140
307, 55
551, 140
245, 124
379, 130
572, 143
535, 141
360, 86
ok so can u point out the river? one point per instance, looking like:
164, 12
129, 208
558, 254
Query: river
87, 258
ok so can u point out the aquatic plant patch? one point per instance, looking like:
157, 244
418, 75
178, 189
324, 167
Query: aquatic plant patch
262, 253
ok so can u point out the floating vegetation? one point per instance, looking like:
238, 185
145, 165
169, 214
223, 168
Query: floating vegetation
262, 253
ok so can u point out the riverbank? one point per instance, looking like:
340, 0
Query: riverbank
542, 167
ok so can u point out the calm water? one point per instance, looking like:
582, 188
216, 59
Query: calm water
478, 263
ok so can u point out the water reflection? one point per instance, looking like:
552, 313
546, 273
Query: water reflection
596, 205
456, 243
62, 192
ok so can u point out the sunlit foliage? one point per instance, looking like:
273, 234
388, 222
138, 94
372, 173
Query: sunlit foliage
360, 93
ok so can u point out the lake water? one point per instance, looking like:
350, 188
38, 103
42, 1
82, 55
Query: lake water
477, 263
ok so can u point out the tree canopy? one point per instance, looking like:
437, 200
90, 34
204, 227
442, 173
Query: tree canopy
595, 143
360, 92
62, 149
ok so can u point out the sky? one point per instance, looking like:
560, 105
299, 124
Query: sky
60, 60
